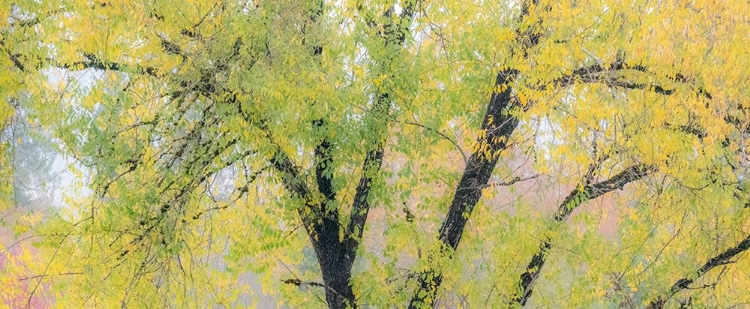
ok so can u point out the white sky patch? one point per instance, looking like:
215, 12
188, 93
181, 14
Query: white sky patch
67, 178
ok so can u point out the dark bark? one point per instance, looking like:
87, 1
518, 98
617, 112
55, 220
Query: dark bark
498, 125
360, 205
607, 75
323, 230
324, 163
335, 262
321, 223
570, 203
336, 254
718, 260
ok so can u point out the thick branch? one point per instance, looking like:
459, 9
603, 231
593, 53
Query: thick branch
589, 192
718, 260
585, 73
334, 258
370, 168
92, 62
498, 125
570, 203
395, 31
293, 183
324, 163
336, 255
322, 158
599, 74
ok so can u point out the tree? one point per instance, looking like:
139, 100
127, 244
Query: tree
12, 65
223, 138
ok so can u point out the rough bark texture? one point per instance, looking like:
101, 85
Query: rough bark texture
323, 228
498, 125
335, 264
335, 257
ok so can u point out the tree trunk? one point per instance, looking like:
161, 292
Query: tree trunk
335, 264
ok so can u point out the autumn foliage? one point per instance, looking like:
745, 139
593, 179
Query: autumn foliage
410, 153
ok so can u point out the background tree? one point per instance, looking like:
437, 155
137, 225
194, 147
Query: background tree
389, 137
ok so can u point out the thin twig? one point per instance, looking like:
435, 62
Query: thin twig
50, 275
511, 182
463, 154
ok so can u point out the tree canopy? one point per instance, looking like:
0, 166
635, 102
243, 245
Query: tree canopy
409, 153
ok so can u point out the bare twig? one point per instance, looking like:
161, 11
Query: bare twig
463, 154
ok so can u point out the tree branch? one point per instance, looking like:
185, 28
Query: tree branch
13, 57
498, 125
590, 192
92, 62
322, 158
242, 190
597, 73
293, 183
577, 197
301, 283
510, 182
324, 163
685, 282
463, 154
50, 275
394, 34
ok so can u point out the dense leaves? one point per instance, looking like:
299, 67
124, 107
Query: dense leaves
380, 153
